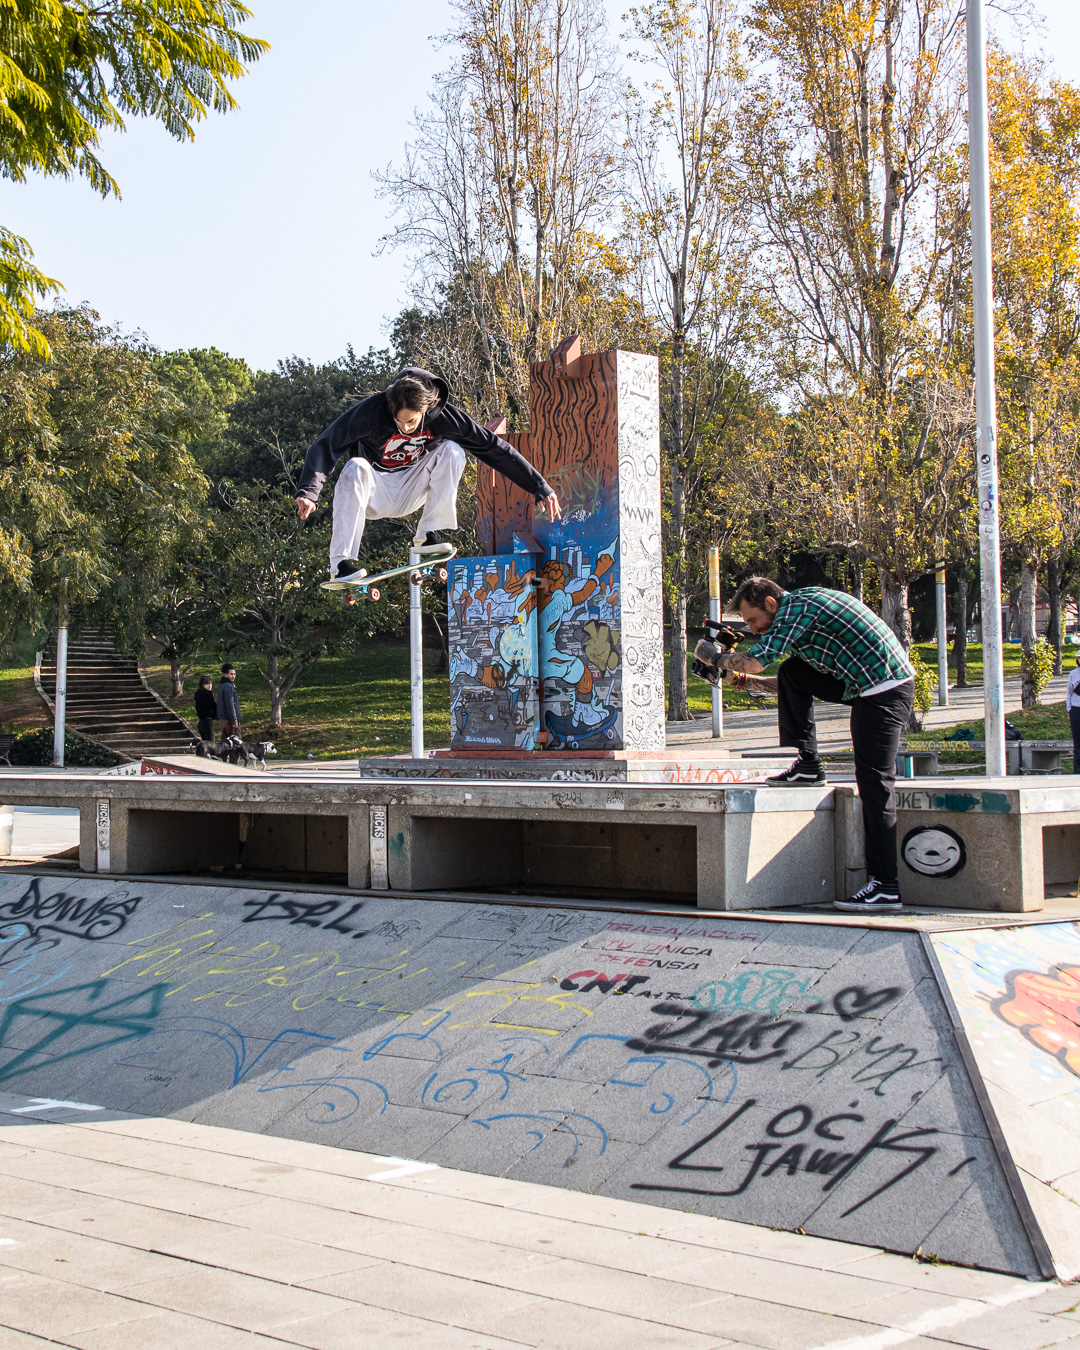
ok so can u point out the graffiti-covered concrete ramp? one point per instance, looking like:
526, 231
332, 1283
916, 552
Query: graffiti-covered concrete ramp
1018, 994
798, 1075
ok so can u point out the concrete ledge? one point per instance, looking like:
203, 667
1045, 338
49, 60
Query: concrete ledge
985, 845
743, 847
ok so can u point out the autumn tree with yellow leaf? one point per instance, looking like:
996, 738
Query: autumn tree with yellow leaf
850, 149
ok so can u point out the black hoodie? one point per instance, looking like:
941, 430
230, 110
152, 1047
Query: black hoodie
368, 429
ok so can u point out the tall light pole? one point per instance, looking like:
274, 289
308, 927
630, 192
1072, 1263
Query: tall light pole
60, 701
982, 290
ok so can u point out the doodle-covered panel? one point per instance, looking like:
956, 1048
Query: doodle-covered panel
494, 662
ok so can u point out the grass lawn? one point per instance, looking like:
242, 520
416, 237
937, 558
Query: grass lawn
21, 708
344, 705
359, 703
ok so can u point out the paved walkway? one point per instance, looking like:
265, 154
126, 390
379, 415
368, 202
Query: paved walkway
123, 1234
749, 729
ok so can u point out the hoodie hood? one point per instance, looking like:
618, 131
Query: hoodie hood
419, 373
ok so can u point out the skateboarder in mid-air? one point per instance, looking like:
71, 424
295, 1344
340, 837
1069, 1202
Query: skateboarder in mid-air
406, 449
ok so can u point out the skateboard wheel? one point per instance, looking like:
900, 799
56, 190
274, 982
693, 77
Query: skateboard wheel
350, 598
442, 574
415, 579
374, 593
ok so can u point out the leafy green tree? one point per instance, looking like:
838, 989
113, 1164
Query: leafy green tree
181, 620
279, 414
209, 382
263, 575
69, 70
96, 481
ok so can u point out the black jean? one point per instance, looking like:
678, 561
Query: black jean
1074, 725
206, 728
876, 726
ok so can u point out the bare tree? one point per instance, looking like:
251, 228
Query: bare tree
504, 192
685, 219
854, 148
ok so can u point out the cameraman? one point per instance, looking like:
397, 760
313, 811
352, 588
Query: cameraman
839, 652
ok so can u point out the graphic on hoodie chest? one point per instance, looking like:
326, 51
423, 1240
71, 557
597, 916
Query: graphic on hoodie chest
401, 451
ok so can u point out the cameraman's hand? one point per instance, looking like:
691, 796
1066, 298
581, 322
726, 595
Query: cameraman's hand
709, 674
304, 508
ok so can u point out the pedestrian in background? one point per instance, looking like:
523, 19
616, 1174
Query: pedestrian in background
1072, 703
228, 703
205, 708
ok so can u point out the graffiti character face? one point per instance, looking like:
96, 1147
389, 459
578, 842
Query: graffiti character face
934, 851
551, 577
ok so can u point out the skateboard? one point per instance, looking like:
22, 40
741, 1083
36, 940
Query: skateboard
366, 588
564, 731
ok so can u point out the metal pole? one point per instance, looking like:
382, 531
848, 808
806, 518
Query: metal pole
714, 613
985, 399
416, 659
942, 642
60, 724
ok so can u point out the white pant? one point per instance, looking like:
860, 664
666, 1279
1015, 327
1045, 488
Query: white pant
364, 493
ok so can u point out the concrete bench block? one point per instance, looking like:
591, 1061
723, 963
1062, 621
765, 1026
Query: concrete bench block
917, 763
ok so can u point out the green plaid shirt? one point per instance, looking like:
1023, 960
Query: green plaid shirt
838, 635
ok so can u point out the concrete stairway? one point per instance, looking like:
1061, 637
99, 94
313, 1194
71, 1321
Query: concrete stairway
108, 702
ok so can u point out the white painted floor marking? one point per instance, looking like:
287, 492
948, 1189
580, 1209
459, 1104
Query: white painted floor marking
39, 1104
405, 1168
937, 1319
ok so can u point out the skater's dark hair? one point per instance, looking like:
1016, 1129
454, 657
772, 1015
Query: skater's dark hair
227, 667
205, 681
409, 392
754, 590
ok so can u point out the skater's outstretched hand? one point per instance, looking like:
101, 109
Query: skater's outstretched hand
551, 503
304, 508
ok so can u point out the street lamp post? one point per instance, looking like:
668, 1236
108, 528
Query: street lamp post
982, 288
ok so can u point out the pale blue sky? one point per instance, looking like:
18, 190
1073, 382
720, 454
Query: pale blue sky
258, 237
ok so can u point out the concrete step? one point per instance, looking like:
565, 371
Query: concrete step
108, 702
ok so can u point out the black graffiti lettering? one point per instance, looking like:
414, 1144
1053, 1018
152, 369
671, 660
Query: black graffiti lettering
789, 1159
820, 1161
828, 1055
804, 1114
602, 983
745, 1039
338, 924
821, 1129
889, 1060
679, 1164
627, 985
882, 1142
70, 915
294, 911
855, 1001
961, 1165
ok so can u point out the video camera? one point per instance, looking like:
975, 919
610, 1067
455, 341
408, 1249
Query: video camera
719, 638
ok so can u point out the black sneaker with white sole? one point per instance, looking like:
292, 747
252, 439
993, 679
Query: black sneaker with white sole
803, 773
433, 543
349, 569
876, 897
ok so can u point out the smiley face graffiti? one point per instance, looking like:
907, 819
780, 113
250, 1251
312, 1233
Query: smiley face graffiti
934, 851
